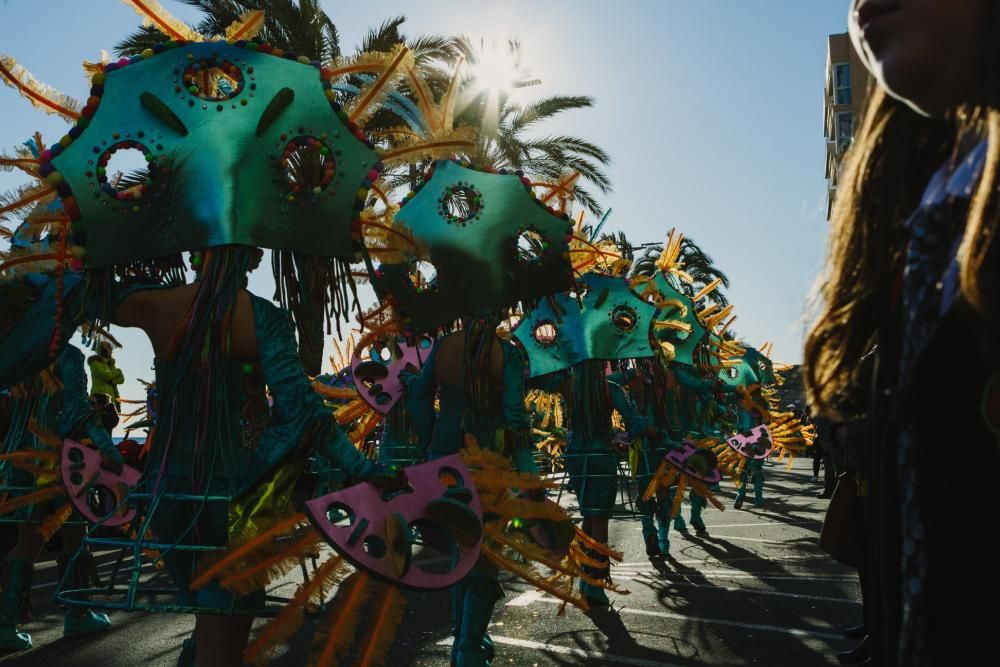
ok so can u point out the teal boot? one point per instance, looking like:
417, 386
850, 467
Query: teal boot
596, 596
679, 524
81, 622
741, 493
758, 488
649, 529
697, 505
663, 529
16, 584
473, 647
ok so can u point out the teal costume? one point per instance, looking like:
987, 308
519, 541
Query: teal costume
754, 370
591, 464
65, 411
443, 434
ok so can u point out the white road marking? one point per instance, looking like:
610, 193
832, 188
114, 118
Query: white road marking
749, 591
732, 574
709, 559
526, 598
795, 632
568, 650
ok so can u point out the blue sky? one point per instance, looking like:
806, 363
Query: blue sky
711, 111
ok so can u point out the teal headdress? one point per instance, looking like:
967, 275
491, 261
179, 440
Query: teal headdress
224, 131
481, 244
677, 329
607, 320
752, 368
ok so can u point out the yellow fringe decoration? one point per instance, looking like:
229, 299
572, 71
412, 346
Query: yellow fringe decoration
458, 140
40, 95
44, 436
11, 205
236, 555
334, 393
288, 622
156, 15
510, 507
40, 496
259, 575
55, 521
246, 26
368, 99
341, 621
391, 609
34, 455
528, 574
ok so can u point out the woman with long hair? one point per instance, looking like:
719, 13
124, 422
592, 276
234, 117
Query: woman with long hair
909, 324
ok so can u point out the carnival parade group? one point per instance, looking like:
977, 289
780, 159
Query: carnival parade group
522, 378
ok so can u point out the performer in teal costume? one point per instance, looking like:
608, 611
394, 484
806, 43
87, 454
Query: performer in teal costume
480, 381
222, 465
58, 404
648, 386
590, 462
745, 381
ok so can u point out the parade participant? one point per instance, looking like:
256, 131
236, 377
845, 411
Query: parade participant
217, 347
908, 328
571, 338
647, 385
53, 401
480, 381
105, 376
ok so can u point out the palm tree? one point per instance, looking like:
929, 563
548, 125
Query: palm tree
300, 26
505, 128
303, 27
694, 261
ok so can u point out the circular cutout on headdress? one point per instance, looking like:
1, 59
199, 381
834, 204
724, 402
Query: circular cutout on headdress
624, 318
127, 155
530, 246
461, 204
307, 167
213, 79
545, 333
734, 372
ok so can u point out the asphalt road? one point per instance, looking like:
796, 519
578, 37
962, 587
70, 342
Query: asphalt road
756, 590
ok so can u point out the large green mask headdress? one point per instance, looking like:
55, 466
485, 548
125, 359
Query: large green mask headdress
607, 321
226, 131
481, 244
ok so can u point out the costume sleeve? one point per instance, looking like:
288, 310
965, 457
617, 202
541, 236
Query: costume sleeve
515, 413
420, 390
78, 411
299, 413
635, 423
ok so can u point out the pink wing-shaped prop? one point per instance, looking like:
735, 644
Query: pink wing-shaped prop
428, 537
679, 459
755, 445
98, 494
376, 374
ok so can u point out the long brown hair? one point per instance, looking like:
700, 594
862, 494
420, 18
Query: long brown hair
895, 153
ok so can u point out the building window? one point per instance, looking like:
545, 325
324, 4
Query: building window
842, 83
845, 130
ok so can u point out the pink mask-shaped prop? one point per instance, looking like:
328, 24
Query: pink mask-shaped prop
755, 445
377, 376
426, 538
98, 494
708, 473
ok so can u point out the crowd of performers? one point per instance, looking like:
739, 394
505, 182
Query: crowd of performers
533, 352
